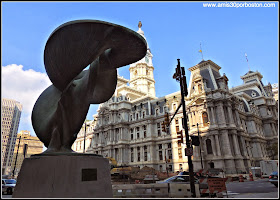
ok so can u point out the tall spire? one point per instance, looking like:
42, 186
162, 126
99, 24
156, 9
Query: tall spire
142, 71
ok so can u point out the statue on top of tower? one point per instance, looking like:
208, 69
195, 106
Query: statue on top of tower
140, 24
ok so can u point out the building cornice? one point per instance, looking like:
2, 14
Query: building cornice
122, 79
243, 86
252, 74
130, 89
144, 98
135, 65
142, 77
205, 63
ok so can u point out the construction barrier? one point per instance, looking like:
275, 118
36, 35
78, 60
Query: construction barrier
157, 190
178, 190
204, 190
140, 190
214, 185
251, 177
241, 179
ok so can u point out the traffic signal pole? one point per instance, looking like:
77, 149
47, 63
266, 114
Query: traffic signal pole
180, 75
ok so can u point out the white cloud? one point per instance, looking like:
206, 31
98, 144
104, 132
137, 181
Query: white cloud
24, 86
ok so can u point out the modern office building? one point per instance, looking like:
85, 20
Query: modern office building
10, 117
235, 125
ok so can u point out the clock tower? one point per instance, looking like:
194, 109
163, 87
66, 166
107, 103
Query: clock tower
142, 72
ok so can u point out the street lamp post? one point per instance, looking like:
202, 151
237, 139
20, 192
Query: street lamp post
16, 157
86, 125
85, 137
180, 76
24, 151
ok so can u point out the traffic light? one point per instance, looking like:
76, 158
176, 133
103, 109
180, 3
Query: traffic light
180, 136
195, 140
185, 87
163, 127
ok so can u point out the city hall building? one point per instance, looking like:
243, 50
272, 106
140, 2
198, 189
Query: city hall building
235, 125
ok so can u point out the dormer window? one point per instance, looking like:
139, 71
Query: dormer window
157, 112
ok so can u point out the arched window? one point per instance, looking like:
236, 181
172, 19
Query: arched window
131, 155
145, 153
174, 106
157, 112
205, 118
138, 154
199, 88
211, 165
209, 146
90, 142
117, 134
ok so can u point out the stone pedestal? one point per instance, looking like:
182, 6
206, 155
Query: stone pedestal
64, 176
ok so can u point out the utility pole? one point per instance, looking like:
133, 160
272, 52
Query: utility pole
180, 76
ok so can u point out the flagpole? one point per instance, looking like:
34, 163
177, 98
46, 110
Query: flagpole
201, 51
247, 61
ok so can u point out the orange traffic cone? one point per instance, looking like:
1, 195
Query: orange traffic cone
241, 179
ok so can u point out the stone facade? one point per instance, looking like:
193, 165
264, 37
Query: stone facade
235, 126
275, 91
32, 144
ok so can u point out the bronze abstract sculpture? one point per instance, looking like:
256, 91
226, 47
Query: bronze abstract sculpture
61, 109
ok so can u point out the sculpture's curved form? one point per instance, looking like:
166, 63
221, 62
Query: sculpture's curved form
61, 109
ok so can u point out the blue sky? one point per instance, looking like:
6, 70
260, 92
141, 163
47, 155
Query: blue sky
173, 30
